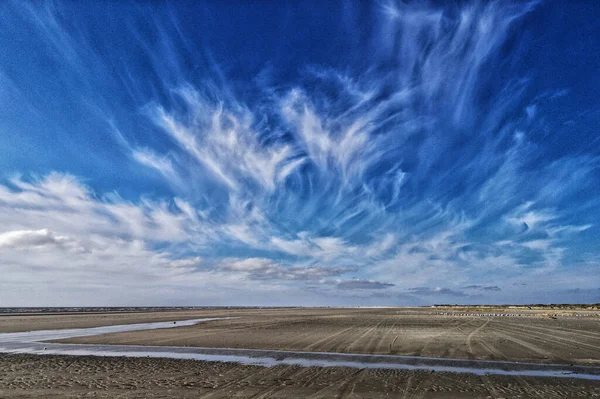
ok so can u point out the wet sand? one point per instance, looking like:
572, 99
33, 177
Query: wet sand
97, 377
51, 321
535, 337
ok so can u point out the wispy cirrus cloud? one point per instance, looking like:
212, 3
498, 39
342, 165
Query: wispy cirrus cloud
418, 172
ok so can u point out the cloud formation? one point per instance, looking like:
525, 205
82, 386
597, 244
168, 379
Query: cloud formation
28, 239
267, 269
363, 285
483, 287
236, 175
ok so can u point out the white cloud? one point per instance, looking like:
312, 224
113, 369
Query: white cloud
294, 247
62, 204
341, 146
225, 142
524, 215
25, 239
407, 177
160, 163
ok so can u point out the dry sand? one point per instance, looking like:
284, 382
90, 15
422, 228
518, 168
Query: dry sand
385, 331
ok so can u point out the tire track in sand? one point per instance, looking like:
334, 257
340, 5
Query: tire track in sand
472, 334
531, 391
532, 347
343, 380
286, 375
366, 333
563, 330
326, 339
377, 337
549, 336
446, 331
346, 389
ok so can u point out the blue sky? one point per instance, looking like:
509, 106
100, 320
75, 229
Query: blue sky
301, 153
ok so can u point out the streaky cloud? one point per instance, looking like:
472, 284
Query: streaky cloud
427, 167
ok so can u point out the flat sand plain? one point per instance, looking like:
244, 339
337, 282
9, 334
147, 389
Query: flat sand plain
534, 336
531, 338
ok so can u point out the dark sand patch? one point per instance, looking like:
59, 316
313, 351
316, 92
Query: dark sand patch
109, 377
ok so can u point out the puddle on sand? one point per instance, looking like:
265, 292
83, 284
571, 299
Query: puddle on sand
29, 342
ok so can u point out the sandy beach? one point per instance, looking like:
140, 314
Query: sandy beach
28, 376
533, 337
